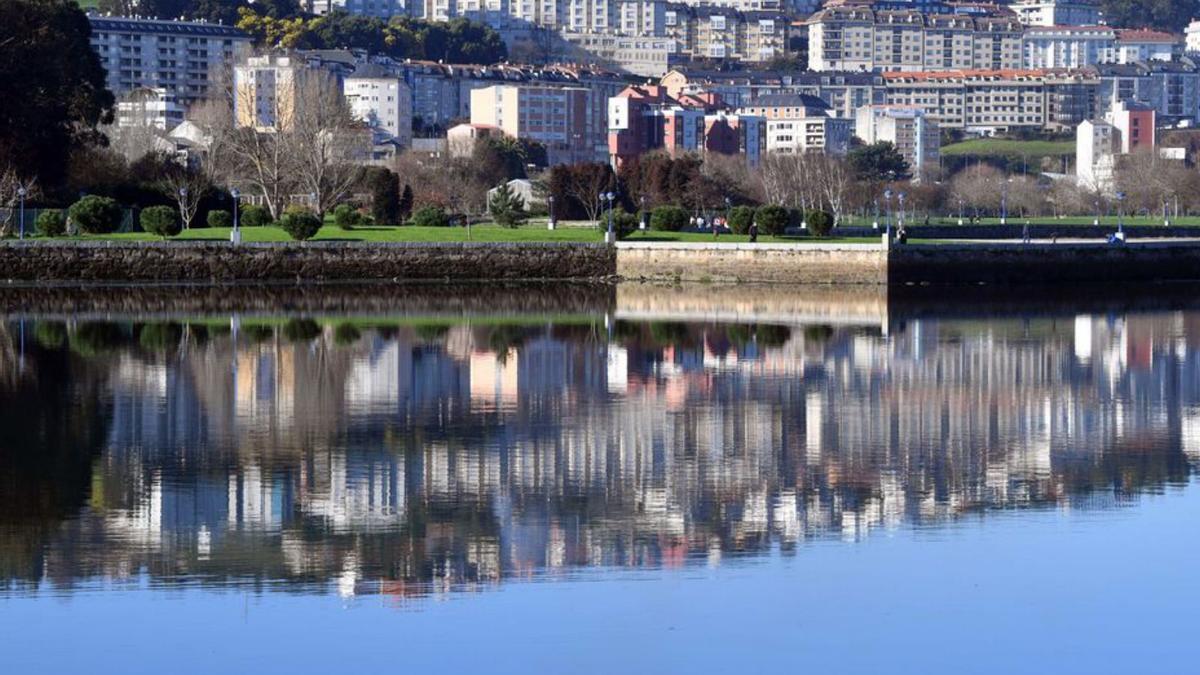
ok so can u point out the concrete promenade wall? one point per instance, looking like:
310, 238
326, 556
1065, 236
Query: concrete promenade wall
1014, 263
770, 263
311, 261
1015, 231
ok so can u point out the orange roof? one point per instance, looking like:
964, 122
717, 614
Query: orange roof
1144, 35
963, 74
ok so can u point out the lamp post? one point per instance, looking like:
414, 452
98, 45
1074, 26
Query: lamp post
236, 236
642, 216
1096, 221
183, 193
900, 219
550, 202
887, 214
875, 222
1120, 216
21, 193
609, 237
960, 210
1166, 215
1004, 204
728, 210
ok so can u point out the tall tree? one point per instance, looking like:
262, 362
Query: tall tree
878, 162
1167, 15
51, 84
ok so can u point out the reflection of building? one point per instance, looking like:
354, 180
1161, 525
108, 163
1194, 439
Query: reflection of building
419, 459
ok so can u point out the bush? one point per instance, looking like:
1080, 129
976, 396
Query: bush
96, 215
771, 219
219, 219
300, 223
51, 223
624, 223
740, 218
429, 216
820, 223
254, 216
346, 217
668, 218
160, 220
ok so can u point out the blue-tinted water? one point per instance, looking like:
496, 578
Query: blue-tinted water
650, 481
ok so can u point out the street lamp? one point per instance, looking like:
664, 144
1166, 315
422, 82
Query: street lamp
550, 202
21, 192
642, 217
1096, 221
1004, 204
960, 210
609, 238
900, 219
1166, 215
183, 193
875, 222
236, 235
728, 209
887, 213
1121, 216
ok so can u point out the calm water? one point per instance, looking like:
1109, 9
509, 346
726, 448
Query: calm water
631, 480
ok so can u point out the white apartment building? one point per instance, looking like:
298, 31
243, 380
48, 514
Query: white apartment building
562, 119
910, 129
820, 134
1095, 155
180, 57
1146, 45
381, 100
1057, 12
383, 9
152, 108
636, 55
1192, 37
857, 38
1069, 46
265, 92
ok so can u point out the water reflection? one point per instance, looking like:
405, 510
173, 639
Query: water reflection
423, 455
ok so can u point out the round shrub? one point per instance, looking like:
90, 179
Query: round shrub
624, 223
346, 217
51, 223
740, 218
820, 223
254, 216
300, 223
771, 219
96, 215
160, 220
219, 219
668, 218
429, 216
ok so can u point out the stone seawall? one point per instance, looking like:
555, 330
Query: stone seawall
310, 262
1044, 263
768, 263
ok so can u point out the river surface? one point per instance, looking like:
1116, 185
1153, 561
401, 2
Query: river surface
599, 480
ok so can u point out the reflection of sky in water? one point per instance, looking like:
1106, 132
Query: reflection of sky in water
651, 483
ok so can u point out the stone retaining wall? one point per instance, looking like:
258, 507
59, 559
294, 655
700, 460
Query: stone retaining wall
311, 261
1044, 263
770, 263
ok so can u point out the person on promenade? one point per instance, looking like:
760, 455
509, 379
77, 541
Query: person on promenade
753, 231
716, 227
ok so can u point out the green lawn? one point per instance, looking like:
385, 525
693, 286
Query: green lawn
478, 233
997, 147
1071, 221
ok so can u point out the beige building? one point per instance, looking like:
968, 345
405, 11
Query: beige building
916, 137
858, 38
560, 118
266, 90
724, 33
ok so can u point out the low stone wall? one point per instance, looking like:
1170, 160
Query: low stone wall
309, 262
768, 263
1044, 263
1015, 231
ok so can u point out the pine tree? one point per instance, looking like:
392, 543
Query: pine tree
406, 203
507, 207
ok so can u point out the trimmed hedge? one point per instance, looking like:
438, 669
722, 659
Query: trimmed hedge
254, 216
668, 218
772, 219
160, 220
429, 216
51, 223
300, 223
96, 215
347, 217
219, 219
820, 223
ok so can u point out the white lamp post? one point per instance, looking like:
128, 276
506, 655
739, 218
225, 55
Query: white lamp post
21, 193
236, 236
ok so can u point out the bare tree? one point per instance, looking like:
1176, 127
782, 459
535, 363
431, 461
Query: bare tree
11, 185
323, 142
978, 188
585, 183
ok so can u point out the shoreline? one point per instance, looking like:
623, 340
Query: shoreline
287, 265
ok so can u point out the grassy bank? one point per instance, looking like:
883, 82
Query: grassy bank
1002, 147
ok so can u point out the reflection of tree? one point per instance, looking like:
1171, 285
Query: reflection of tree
51, 431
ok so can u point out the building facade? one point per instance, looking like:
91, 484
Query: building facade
560, 118
180, 57
909, 129
1057, 12
382, 100
702, 31
1069, 46
266, 90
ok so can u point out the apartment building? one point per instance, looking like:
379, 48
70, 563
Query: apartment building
266, 90
1057, 12
642, 56
1147, 45
843, 92
1192, 37
180, 57
860, 38
800, 123
383, 9
725, 33
382, 100
990, 101
1171, 88
1069, 46
148, 108
560, 118
1095, 155
643, 119
910, 129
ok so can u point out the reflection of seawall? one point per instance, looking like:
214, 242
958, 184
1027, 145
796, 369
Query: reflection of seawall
754, 303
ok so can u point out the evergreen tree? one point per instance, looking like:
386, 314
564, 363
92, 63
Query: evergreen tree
507, 207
